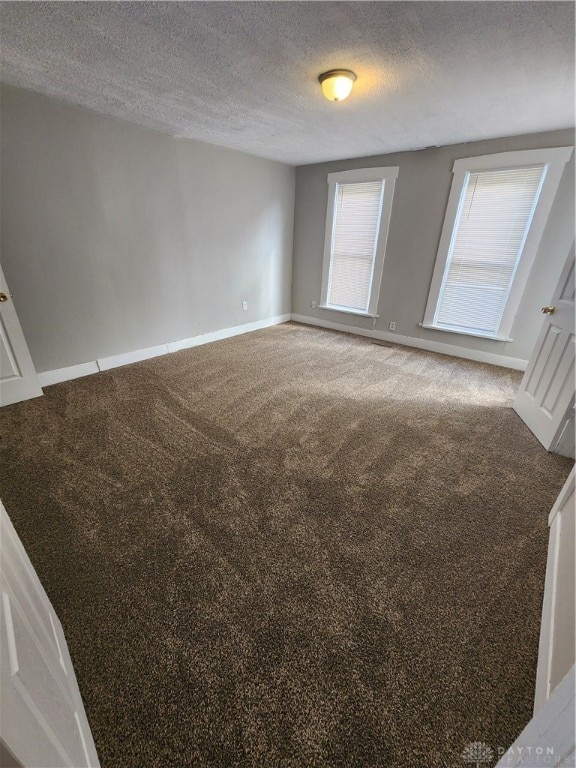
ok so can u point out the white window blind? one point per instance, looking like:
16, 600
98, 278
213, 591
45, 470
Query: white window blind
357, 210
495, 213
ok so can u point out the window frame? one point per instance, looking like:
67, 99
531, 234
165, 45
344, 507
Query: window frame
554, 159
388, 175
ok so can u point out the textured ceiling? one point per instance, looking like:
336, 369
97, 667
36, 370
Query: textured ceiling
244, 74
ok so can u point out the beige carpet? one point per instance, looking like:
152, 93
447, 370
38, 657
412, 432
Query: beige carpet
290, 549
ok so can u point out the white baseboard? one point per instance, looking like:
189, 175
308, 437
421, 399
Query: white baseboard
106, 363
410, 341
115, 361
226, 333
64, 374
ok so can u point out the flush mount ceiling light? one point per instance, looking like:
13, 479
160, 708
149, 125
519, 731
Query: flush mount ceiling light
337, 83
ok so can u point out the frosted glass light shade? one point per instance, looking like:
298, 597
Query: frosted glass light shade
337, 84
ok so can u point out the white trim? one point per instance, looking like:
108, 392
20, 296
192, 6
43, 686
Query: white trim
47, 378
514, 158
554, 160
226, 333
26, 390
564, 494
411, 341
360, 175
388, 175
465, 333
106, 363
115, 361
346, 311
327, 258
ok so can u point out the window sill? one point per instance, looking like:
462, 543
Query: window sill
347, 311
465, 333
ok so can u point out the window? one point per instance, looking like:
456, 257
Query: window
359, 207
496, 214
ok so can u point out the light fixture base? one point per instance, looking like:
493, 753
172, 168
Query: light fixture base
337, 83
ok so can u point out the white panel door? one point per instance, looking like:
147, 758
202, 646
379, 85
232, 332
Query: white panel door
557, 652
42, 718
549, 738
18, 378
546, 393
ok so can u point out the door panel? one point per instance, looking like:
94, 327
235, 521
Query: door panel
8, 365
42, 718
557, 651
549, 738
547, 389
32, 679
13, 567
18, 378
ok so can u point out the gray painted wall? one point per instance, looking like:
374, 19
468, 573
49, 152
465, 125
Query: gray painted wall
116, 238
420, 200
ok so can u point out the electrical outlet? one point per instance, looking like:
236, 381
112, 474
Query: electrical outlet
392, 326
244, 305
313, 304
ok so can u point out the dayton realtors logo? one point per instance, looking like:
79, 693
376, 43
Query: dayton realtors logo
478, 753
481, 755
